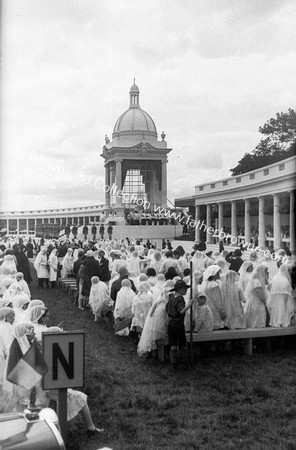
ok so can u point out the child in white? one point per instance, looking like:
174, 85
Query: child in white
123, 306
99, 298
23, 284
155, 327
142, 303
203, 316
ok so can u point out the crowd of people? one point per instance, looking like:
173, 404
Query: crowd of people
154, 295
22, 323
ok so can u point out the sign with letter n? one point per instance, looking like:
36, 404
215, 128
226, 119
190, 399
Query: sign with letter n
64, 356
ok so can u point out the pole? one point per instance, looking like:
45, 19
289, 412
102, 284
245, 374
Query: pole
62, 412
191, 324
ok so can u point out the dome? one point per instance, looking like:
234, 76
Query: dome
135, 122
134, 88
135, 119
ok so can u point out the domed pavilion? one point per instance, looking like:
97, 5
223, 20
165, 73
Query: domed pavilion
135, 161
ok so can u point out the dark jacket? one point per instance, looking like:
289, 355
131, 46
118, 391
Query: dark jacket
175, 305
235, 262
116, 286
91, 269
76, 267
104, 269
23, 266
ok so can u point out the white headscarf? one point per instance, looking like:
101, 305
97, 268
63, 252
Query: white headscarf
281, 283
257, 280
37, 312
244, 275
20, 331
211, 271
198, 261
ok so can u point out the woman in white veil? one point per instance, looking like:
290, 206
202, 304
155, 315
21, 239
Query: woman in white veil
212, 287
155, 327
41, 267
281, 304
245, 273
53, 267
256, 312
198, 261
233, 300
67, 263
134, 264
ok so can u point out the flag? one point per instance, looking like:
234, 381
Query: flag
25, 370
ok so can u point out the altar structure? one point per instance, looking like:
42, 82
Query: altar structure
135, 162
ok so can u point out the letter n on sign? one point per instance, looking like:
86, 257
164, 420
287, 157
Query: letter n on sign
64, 355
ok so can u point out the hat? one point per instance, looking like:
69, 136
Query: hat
237, 252
179, 285
89, 253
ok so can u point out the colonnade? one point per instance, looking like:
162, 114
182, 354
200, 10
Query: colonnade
62, 221
261, 219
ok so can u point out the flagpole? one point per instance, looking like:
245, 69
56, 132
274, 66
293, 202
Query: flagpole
191, 325
62, 412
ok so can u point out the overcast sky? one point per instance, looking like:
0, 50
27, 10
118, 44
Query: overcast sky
209, 73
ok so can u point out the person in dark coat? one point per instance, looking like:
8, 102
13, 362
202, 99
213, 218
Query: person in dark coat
74, 231
235, 260
176, 309
110, 231
85, 231
19, 245
104, 268
23, 264
67, 230
90, 267
94, 231
76, 267
116, 285
102, 231
29, 248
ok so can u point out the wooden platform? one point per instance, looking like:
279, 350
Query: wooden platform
247, 334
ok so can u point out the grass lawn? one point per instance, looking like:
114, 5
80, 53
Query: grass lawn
227, 401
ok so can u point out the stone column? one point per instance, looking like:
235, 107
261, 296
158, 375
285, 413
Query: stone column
107, 184
261, 223
220, 216
17, 226
208, 223
118, 181
233, 221
277, 240
197, 218
292, 222
164, 183
247, 221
